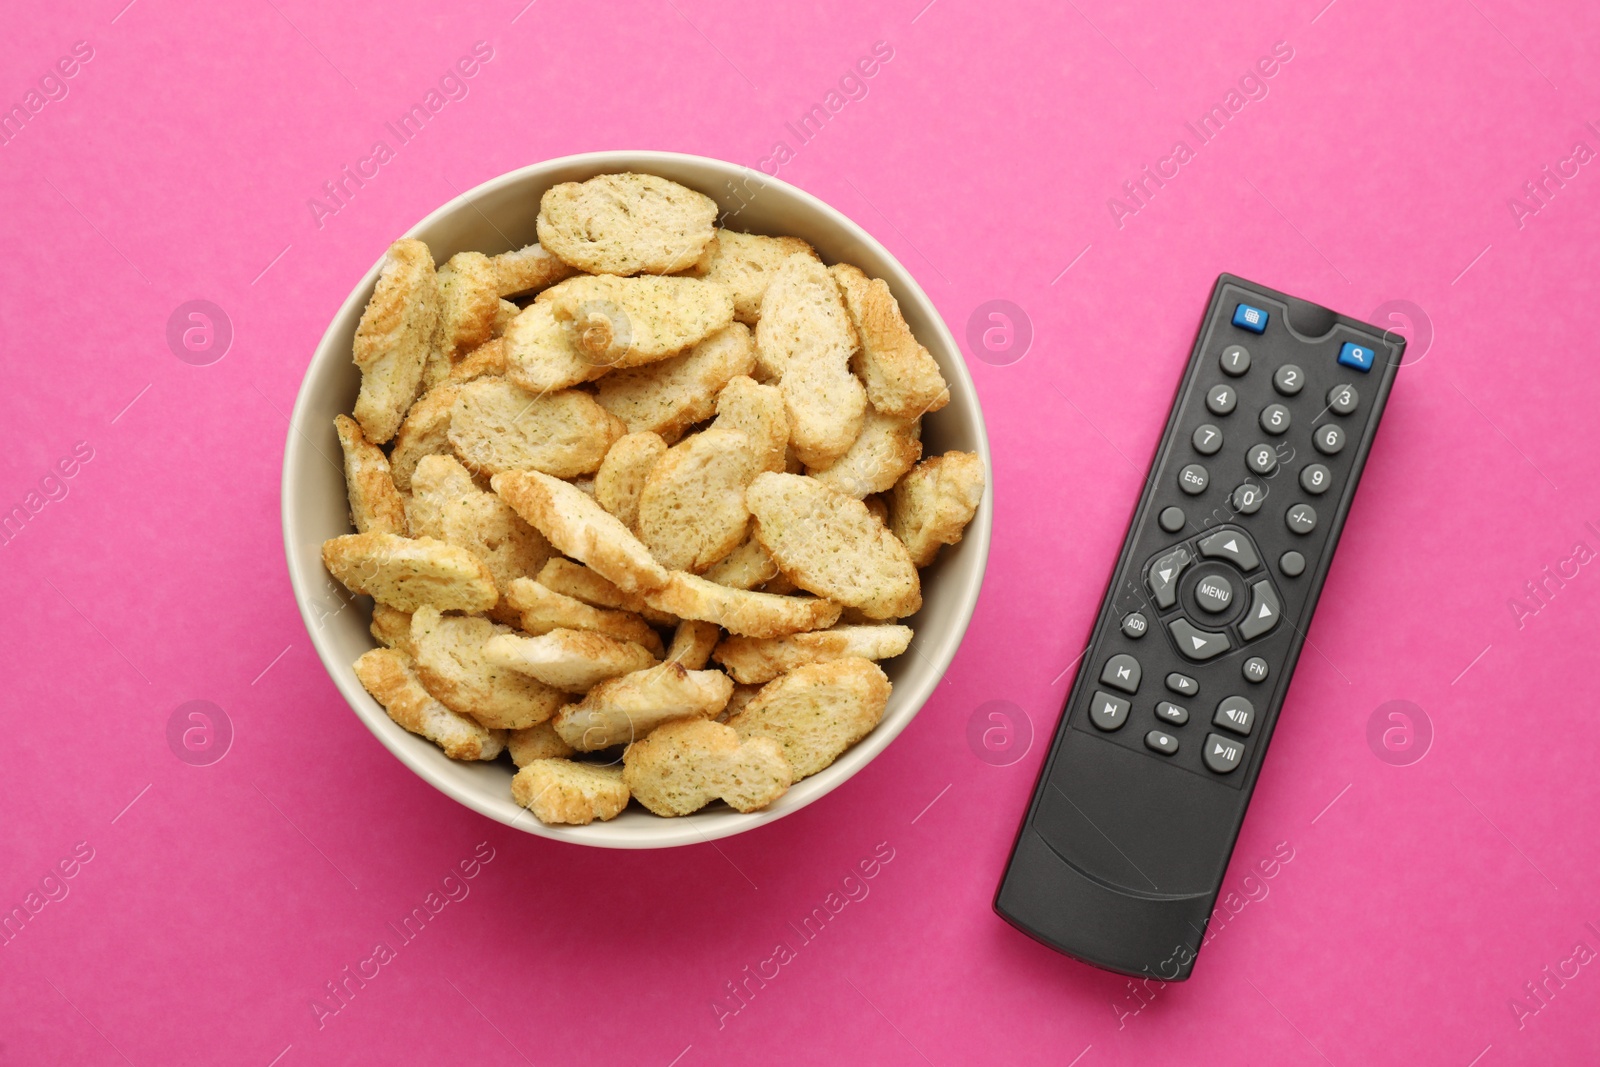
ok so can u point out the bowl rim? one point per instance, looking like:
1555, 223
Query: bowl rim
669, 832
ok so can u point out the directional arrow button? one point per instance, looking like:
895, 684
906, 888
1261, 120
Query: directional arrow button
1196, 644
1230, 545
1164, 574
1264, 613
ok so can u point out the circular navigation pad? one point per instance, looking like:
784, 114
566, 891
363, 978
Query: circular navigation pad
1210, 593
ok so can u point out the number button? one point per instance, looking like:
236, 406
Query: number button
1275, 418
1302, 518
1314, 479
1343, 399
1235, 360
1221, 399
1262, 458
1207, 439
1247, 499
1193, 479
1135, 625
1329, 439
1288, 379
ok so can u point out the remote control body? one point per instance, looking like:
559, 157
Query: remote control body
1126, 839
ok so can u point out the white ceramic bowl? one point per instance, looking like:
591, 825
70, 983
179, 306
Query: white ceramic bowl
495, 217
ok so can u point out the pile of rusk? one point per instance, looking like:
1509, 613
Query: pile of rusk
685, 446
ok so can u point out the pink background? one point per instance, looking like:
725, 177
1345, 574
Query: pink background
220, 899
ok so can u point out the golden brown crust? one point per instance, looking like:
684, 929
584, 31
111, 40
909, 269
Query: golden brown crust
622, 474
626, 224
885, 450
624, 709
758, 412
573, 661
670, 396
816, 712
486, 361
805, 339
901, 376
468, 304
933, 504
745, 263
394, 337
581, 583
375, 503
683, 766
453, 663
406, 573
388, 675
425, 432
582, 529
542, 609
561, 792
692, 643
527, 270
741, 611
756, 661
539, 741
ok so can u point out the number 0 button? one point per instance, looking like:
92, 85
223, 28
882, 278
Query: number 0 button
1275, 418
1329, 439
1221, 399
1314, 479
1302, 518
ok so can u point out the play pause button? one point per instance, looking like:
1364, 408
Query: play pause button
1222, 754
1236, 714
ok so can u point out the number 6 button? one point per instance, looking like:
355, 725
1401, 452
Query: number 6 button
1329, 439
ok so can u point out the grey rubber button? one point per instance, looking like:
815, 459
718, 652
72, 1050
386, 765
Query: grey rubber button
1214, 594
1275, 419
1156, 741
1222, 754
1264, 613
1163, 576
1135, 625
1230, 545
1256, 670
1207, 439
1343, 399
1315, 479
1182, 684
1302, 518
1288, 379
1196, 644
1235, 714
1329, 439
1193, 479
1172, 519
1221, 399
1292, 563
1108, 712
1235, 360
1167, 711
1247, 498
1262, 458
1121, 672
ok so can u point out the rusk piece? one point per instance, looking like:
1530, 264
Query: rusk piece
579, 582
692, 643
542, 609
829, 544
406, 573
626, 224
622, 474
741, 611
754, 661
527, 270
805, 340
683, 766
453, 663
582, 529
394, 337
901, 376
541, 354
389, 677
425, 432
468, 310
539, 741
691, 508
670, 396
570, 660
559, 791
627, 322
391, 628
437, 481
758, 412
933, 504
496, 426
488, 360
625, 709
746, 567
375, 503
816, 712
746, 263
887, 447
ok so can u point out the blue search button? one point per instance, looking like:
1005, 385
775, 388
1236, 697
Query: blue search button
1248, 318
1358, 356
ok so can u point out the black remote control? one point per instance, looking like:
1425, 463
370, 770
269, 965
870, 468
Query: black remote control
1122, 852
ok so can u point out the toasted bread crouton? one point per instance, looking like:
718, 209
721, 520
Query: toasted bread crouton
406, 573
670, 396
425, 432
753, 661
437, 481
570, 660
746, 567
621, 477
691, 509
885, 450
829, 544
901, 376
542, 354
805, 340
391, 628
375, 503
878, 509
625, 709
453, 663
505, 313
389, 677
582, 529
542, 609
692, 643
579, 582
626, 224
758, 412
559, 791
527, 270
394, 338
468, 304
497, 426
816, 712
683, 766
488, 360
742, 695
539, 741
745, 263
741, 611
933, 504
628, 322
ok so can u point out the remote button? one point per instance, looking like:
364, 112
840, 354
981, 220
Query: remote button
1193, 479
1198, 645
1255, 669
1329, 439
1163, 576
1314, 479
1235, 714
1121, 672
1182, 684
1167, 711
1172, 519
1288, 379
1207, 439
1232, 546
1135, 625
1358, 356
1247, 498
1235, 360
1221, 399
1214, 594
1108, 712
1248, 318
1262, 458
1275, 418
1302, 518
1222, 754
1292, 563
1156, 741
1343, 399
1264, 613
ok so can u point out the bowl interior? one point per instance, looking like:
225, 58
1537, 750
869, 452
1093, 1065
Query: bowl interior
499, 216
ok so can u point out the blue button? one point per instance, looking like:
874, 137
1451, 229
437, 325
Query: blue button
1358, 356
1248, 318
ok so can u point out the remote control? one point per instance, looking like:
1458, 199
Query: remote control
1127, 837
